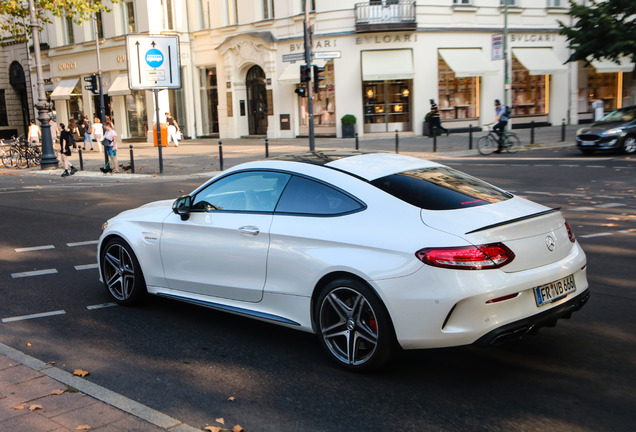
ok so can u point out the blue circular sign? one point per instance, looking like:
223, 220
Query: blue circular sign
154, 58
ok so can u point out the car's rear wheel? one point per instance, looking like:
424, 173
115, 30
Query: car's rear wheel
629, 144
121, 272
353, 325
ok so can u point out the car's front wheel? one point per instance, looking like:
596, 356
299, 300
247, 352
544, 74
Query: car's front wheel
629, 144
353, 325
121, 272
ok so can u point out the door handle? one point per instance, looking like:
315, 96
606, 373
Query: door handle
249, 229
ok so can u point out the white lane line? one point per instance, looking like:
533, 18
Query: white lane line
28, 317
609, 197
84, 243
572, 194
35, 248
86, 267
570, 165
33, 273
594, 166
16, 191
101, 306
596, 235
538, 193
581, 209
610, 205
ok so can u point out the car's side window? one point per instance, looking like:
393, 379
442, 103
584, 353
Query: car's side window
252, 191
309, 197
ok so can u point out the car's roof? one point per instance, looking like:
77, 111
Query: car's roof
367, 165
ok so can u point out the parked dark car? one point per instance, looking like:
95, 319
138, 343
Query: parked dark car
615, 131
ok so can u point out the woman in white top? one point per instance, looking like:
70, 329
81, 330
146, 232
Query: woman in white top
97, 130
34, 133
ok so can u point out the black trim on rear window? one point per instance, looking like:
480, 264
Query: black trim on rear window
440, 188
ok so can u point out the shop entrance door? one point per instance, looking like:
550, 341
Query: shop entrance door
387, 105
256, 101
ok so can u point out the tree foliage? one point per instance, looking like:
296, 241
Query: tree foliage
606, 29
18, 23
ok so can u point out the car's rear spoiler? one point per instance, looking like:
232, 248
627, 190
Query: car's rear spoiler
530, 216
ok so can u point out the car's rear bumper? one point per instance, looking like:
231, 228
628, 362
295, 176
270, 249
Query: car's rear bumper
532, 324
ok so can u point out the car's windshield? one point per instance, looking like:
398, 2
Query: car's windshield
620, 115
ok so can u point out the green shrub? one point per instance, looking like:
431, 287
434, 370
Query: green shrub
348, 119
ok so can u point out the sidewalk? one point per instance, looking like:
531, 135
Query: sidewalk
201, 157
39, 397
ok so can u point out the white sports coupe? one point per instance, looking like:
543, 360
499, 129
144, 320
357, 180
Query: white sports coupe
371, 251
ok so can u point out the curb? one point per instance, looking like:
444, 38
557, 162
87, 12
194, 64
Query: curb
99, 393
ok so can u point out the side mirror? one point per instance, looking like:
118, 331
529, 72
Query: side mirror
182, 206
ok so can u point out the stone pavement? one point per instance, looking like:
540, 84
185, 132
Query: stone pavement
201, 157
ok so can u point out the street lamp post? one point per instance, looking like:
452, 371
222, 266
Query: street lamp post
49, 160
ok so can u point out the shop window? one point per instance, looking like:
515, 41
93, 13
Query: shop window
209, 100
529, 92
387, 105
136, 114
75, 104
130, 25
512, 3
324, 105
268, 9
68, 30
100, 25
599, 86
463, 2
458, 97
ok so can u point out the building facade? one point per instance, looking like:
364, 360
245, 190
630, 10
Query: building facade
16, 106
383, 60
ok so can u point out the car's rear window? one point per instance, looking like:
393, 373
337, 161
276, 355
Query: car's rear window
440, 188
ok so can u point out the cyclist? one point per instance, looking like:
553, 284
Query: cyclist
502, 121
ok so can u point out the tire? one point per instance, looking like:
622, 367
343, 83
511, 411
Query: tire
10, 158
629, 144
23, 161
122, 273
512, 143
353, 325
486, 145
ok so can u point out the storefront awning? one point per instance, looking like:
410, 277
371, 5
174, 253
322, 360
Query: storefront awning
608, 66
119, 87
539, 61
64, 89
291, 74
467, 62
383, 65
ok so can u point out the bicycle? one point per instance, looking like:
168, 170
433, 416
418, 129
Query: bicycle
489, 143
21, 154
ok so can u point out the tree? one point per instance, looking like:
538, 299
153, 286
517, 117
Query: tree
606, 29
18, 24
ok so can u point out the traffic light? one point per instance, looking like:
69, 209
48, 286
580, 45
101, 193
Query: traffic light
301, 91
94, 86
317, 77
305, 73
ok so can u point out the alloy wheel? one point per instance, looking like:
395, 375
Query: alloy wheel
119, 272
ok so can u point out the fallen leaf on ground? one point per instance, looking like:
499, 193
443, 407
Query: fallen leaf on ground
220, 420
83, 427
238, 428
231, 398
57, 392
80, 373
28, 343
51, 363
212, 429
19, 407
35, 407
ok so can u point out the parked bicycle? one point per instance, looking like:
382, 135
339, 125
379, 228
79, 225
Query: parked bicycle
21, 154
489, 143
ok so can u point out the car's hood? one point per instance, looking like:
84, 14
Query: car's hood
599, 127
147, 210
522, 225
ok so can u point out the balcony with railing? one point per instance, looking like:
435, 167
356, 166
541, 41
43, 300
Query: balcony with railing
385, 15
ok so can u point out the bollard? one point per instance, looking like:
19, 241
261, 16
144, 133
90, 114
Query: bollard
357, 145
79, 150
532, 132
397, 142
266, 148
221, 155
563, 131
470, 137
132, 160
434, 138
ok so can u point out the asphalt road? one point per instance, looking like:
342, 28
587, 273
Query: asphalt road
188, 361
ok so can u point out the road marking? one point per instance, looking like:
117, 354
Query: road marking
610, 205
596, 166
86, 267
16, 191
28, 317
581, 208
34, 248
33, 273
596, 235
538, 193
101, 306
572, 194
84, 243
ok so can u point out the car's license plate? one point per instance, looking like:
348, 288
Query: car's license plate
553, 291
588, 143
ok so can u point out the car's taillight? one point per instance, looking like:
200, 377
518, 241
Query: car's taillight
570, 232
488, 256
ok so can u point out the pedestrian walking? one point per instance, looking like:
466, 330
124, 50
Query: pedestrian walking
501, 122
110, 147
85, 132
55, 130
173, 129
34, 133
98, 133
74, 130
435, 120
66, 141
